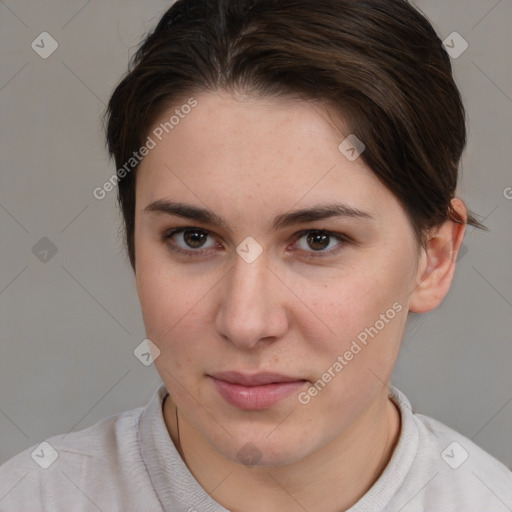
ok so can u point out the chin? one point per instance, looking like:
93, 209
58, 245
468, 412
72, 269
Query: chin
261, 451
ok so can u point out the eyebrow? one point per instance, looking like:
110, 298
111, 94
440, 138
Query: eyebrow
311, 214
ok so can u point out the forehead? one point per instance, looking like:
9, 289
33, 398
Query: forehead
278, 152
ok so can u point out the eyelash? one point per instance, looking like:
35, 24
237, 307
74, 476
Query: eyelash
343, 239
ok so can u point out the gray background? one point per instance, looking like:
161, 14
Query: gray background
69, 325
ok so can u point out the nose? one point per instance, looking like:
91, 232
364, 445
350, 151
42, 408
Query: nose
252, 306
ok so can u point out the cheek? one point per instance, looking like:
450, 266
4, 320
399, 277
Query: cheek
356, 300
160, 292
366, 311
173, 303
368, 320
171, 322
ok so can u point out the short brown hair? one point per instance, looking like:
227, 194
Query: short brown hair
378, 63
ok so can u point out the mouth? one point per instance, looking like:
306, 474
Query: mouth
255, 392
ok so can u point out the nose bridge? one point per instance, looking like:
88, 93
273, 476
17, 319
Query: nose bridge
248, 288
248, 310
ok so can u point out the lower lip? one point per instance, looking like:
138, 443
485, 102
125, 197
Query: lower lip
256, 397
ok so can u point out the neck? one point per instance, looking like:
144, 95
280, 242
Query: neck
333, 478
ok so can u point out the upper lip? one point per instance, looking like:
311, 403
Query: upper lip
253, 380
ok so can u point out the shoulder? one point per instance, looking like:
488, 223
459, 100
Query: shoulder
458, 451
450, 471
93, 462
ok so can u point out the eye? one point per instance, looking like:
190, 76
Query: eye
320, 243
189, 240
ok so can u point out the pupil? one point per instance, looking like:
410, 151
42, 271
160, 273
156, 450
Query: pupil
194, 238
318, 241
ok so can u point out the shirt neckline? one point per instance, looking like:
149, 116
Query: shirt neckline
177, 489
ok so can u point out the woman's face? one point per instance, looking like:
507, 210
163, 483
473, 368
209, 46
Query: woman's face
249, 286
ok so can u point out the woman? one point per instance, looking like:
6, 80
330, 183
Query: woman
287, 173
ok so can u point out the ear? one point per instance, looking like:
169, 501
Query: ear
437, 262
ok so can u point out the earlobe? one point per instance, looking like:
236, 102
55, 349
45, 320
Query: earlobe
437, 263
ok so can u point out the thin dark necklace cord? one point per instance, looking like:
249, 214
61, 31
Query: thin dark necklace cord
178, 428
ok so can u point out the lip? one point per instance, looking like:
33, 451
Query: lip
256, 379
255, 392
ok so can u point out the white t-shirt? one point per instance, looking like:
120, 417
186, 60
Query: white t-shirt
128, 462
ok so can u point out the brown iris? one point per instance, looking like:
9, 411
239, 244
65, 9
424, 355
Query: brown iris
318, 241
194, 239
